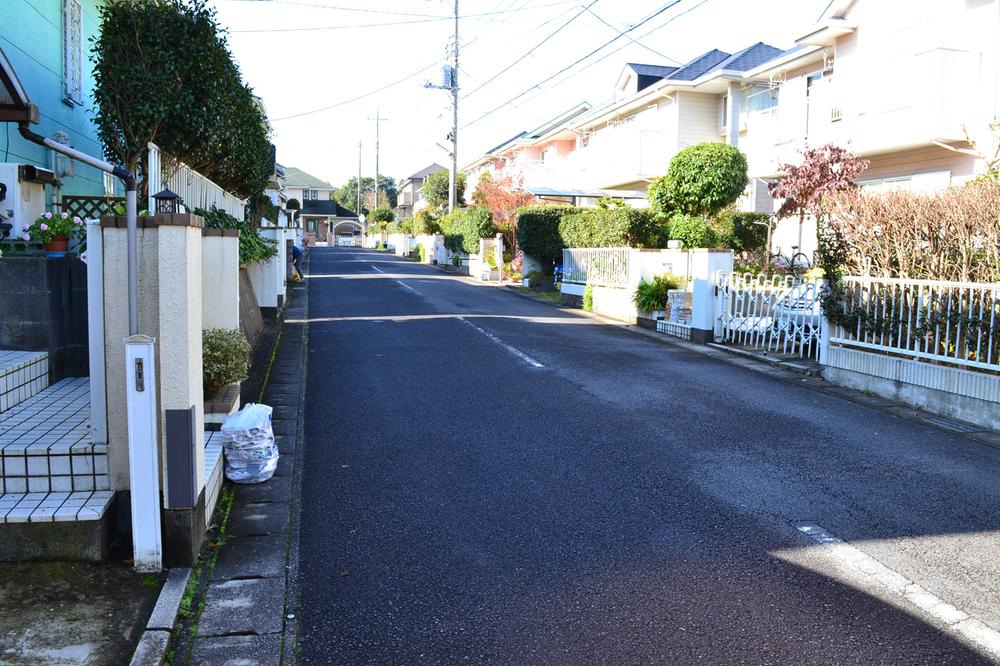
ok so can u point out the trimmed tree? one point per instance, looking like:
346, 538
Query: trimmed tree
701, 180
503, 195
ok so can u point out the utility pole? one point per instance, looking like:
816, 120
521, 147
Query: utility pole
453, 185
451, 84
359, 178
377, 118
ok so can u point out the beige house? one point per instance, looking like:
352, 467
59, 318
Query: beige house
411, 191
897, 81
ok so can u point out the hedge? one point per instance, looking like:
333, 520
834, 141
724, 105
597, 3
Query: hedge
253, 246
614, 227
463, 228
538, 231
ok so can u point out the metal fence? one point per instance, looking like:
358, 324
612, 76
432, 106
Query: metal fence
957, 323
195, 190
778, 313
600, 267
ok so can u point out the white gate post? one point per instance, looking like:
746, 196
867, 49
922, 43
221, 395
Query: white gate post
143, 453
498, 256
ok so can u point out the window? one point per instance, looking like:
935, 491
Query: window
72, 51
311, 226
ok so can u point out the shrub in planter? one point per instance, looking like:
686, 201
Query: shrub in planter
225, 358
652, 296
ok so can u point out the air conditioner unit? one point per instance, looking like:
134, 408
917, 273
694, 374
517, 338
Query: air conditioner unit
24, 195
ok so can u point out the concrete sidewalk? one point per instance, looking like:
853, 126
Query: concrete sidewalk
248, 615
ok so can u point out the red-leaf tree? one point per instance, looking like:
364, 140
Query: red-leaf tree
503, 194
822, 171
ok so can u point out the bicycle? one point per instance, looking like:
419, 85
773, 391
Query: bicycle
797, 264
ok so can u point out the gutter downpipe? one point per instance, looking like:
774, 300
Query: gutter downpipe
131, 210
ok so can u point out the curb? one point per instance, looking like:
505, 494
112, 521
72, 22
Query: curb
152, 647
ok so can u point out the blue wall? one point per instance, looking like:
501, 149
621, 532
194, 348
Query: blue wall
31, 37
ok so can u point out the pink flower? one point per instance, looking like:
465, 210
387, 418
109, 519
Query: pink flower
44, 227
77, 220
47, 216
65, 215
25, 237
25, 227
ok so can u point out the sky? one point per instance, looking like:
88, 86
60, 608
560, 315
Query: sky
327, 68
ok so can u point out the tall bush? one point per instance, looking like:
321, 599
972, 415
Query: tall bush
163, 74
436, 190
618, 226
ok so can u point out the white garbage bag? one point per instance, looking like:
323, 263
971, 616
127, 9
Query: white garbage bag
248, 445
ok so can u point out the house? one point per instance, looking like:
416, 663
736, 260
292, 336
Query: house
51, 60
659, 111
411, 191
324, 220
897, 82
303, 186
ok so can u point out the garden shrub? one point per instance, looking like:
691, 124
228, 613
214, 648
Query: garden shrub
588, 297
701, 180
617, 226
253, 246
650, 296
225, 358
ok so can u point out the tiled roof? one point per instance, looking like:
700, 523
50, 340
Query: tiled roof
650, 70
423, 173
325, 207
299, 178
703, 64
741, 61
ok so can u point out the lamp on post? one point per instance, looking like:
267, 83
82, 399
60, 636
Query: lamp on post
167, 202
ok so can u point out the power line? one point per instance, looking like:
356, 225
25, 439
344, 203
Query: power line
649, 18
533, 49
629, 37
427, 18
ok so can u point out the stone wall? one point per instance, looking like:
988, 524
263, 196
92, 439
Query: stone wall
43, 307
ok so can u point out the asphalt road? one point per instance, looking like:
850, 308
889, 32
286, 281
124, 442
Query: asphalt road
630, 502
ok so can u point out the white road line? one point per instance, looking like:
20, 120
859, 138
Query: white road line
513, 350
378, 269
867, 568
403, 284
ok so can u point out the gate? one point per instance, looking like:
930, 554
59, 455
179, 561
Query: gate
780, 313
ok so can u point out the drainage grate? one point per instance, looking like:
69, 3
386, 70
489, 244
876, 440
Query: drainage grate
948, 424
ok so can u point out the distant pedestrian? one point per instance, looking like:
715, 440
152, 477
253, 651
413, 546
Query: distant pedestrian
297, 263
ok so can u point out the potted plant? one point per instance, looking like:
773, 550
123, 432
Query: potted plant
52, 231
651, 297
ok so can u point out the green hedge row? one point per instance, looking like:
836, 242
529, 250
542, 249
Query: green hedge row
543, 231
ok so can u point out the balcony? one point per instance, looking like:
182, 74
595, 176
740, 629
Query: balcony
619, 156
908, 104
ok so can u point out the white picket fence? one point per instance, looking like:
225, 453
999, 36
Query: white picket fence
598, 267
780, 314
957, 323
195, 190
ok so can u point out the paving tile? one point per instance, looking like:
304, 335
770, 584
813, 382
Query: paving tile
243, 607
258, 519
276, 489
242, 650
251, 556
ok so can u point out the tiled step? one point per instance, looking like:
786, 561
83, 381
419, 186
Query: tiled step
54, 507
45, 443
22, 375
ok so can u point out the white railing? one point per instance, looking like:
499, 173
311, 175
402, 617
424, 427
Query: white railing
195, 190
779, 313
600, 267
957, 323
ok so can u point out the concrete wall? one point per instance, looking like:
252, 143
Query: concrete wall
43, 307
170, 307
220, 265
